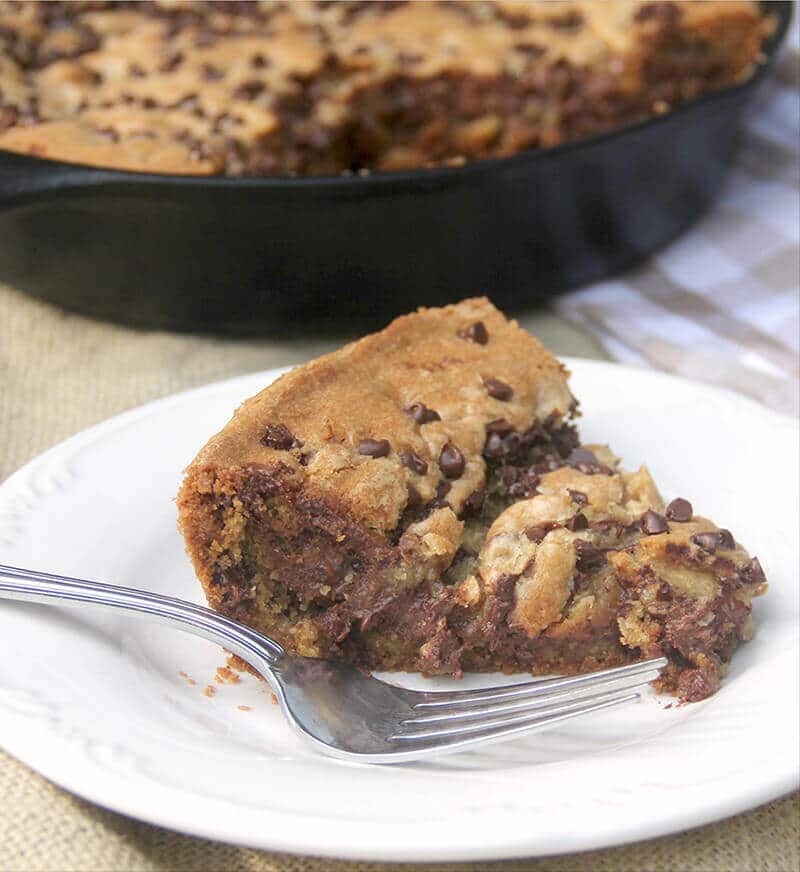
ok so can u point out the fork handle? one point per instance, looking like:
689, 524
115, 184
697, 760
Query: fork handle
257, 649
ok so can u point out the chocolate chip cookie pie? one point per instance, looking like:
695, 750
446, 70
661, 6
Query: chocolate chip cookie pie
420, 500
310, 88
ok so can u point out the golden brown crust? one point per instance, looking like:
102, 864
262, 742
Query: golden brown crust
199, 88
396, 505
363, 391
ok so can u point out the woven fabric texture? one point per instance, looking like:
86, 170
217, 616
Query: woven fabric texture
721, 303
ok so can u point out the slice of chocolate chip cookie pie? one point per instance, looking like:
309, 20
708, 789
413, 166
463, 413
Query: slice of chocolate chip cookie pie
420, 500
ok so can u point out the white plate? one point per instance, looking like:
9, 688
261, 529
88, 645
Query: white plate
96, 703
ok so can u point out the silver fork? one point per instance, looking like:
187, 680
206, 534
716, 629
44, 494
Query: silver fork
343, 711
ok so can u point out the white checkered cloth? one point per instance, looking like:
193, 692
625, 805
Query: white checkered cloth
722, 303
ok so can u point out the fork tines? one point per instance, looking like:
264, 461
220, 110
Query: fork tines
443, 717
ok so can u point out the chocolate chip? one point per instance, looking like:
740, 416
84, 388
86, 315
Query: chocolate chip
726, 539
499, 425
529, 48
752, 573
535, 434
258, 62
524, 485
708, 541
564, 439
210, 73
536, 533
516, 22
473, 504
451, 461
586, 462
714, 539
679, 510
653, 523
509, 474
136, 72
587, 556
414, 498
280, 437
189, 104
571, 20
248, 90
493, 449
581, 455
521, 481
421, 413
374, 447
442, 489
512, 443
172, 63
612, 527
476, 332
578, 497
498, 389
413, 461
577, 522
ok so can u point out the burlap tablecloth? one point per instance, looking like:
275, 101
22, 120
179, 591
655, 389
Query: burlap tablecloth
60, 373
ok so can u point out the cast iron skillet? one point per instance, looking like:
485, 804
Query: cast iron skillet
265, 255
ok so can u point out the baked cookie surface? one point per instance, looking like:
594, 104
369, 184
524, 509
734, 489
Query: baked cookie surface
420, 500
318, 88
